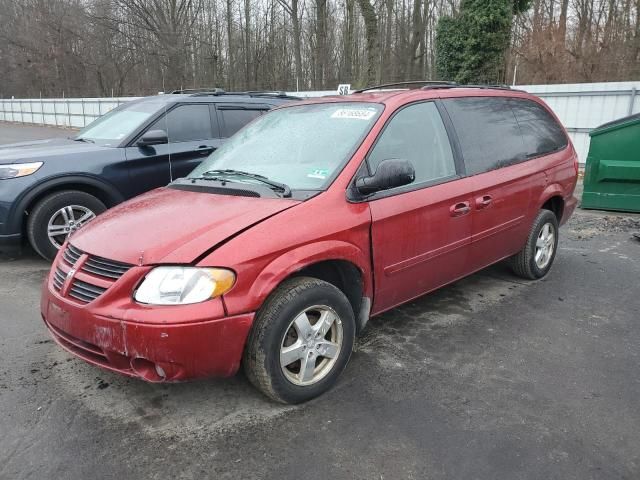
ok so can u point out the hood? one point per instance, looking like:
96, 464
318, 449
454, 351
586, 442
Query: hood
172, 226
33, 150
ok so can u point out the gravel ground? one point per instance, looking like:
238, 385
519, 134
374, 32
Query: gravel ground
491, 377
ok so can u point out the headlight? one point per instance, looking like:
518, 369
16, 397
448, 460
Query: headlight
14, 170
183, 285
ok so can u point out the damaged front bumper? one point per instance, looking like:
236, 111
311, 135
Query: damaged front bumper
153, 343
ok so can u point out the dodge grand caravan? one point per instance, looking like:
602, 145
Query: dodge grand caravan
277, 249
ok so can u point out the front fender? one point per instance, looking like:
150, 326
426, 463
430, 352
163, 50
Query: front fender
298, 258
56, 183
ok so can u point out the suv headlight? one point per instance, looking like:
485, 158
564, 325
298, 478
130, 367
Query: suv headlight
14, 170
183, 285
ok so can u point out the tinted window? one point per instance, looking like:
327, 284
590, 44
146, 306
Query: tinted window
416, 133
234, 119
488, 132
186, 123
540, 132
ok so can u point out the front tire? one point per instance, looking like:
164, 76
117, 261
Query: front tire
536, 257
58, 215
301, 340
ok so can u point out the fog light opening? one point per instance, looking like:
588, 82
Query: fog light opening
148, 370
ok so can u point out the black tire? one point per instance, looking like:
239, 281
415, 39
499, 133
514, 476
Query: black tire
45, 209
261, 359
524, 263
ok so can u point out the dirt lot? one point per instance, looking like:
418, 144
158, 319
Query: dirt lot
489, 378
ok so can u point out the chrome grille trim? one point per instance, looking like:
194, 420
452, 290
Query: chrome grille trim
105, 268
58, 279
84, 291
71, 255
98, 267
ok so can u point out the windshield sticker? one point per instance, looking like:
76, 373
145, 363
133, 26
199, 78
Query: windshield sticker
354, 113
319, 173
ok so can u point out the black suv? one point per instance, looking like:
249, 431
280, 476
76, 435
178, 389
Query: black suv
50, 188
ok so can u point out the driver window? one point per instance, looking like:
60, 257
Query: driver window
186, 123
416, 133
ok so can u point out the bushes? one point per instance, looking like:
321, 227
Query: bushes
470, 46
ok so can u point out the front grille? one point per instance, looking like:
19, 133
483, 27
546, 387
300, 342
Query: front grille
71, 255
58, 279
85, 290
105, 268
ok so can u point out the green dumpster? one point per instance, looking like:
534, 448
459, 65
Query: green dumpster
612, 174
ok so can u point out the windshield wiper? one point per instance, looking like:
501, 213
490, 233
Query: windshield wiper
82, 139
286, 190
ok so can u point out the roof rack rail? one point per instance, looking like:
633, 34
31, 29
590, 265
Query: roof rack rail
435, 84
253, 93
206, 90
496, 86
270, 93
425, 83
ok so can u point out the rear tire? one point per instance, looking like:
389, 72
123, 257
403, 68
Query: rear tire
50, 214
288, 356
536, 257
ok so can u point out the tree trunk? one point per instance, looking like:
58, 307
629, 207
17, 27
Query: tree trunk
371, 33
321, 44
230, 60
347, 43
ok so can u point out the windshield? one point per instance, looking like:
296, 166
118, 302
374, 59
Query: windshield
113, 127
302, 146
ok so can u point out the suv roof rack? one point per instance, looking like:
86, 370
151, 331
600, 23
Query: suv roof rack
434, 84
198, 90
413, 83
201, 92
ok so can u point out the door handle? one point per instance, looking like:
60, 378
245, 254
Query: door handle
459, 209
204, 149
483, 202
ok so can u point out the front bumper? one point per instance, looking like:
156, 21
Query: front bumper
156, 352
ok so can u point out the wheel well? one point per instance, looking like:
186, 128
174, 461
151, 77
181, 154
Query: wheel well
97, 192
556, 205
343, 275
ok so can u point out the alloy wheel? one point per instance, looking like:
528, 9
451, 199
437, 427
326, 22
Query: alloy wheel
311, 345
66, 221
545, 244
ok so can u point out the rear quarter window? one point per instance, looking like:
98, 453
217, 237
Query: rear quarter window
541, 133
488, 132
233, 119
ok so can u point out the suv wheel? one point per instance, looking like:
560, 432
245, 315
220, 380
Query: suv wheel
535, 259
301, 340
57, 216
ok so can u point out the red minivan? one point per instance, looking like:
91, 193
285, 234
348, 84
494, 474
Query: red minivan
279, 247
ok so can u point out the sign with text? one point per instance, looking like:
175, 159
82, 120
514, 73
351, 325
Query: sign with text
344, 89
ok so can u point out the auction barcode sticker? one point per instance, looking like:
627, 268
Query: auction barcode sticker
354, 113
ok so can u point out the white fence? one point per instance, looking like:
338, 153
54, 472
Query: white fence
581, 107
61, 112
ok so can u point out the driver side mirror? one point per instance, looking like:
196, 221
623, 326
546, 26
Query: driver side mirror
390, 173
153, 137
